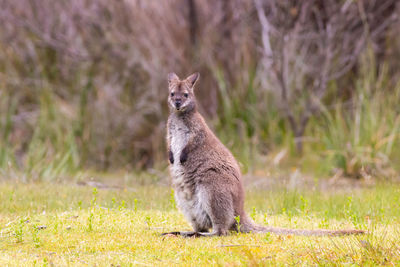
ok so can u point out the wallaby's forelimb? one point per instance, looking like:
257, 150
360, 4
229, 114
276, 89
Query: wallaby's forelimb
170, 156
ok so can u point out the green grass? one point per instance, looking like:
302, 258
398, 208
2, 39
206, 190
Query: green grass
45, 134
86, 226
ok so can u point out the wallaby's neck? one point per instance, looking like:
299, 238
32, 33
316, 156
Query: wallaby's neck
184, 116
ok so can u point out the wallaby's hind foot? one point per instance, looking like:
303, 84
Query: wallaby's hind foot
186, 234
195, 234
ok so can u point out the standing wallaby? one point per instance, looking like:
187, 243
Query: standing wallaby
205, 176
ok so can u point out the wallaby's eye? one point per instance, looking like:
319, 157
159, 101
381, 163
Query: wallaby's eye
172, 94
185, 94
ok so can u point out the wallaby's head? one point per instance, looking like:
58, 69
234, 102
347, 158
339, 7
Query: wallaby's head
181, 96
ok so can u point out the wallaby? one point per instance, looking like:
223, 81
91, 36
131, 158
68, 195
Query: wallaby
205, 175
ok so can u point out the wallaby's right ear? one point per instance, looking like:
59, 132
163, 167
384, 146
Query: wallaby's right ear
192, 79
172, 77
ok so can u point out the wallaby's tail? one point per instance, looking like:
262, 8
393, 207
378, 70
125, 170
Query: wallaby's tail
249, 226
317, 232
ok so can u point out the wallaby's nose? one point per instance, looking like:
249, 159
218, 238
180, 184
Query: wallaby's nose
178, 103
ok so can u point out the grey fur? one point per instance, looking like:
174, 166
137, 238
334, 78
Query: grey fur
205, 175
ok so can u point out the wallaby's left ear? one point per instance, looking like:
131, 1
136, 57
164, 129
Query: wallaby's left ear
192, 79
172, 77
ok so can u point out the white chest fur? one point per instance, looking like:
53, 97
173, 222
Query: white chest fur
179, 134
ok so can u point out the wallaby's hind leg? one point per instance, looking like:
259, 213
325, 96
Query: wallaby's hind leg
201, 223
221, 221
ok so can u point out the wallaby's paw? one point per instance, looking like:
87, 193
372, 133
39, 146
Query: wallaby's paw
183, 157
171, 157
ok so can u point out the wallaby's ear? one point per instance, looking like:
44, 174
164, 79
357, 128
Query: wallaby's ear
192, 79
172, 77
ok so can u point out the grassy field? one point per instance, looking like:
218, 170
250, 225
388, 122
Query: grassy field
68, 225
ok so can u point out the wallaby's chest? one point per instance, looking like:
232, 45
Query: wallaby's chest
179, 136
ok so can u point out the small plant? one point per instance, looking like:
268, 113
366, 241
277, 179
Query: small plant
35, 235
266, 218
90, 221
268, 238
122, 205
94, 194
304, 205
45, 262
148, 220
237, 219
19, 230
91, 210
290, 216
350, 212
324, 222
114, 202
253, 213
135, 204
288, 213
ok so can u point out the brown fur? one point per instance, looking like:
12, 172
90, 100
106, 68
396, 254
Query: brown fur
205, 175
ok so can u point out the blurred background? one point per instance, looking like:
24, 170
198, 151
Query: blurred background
309, 85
